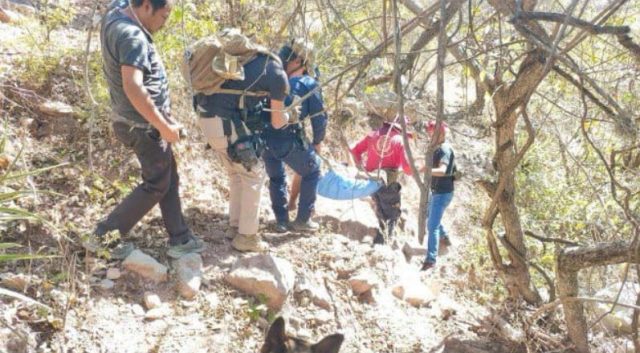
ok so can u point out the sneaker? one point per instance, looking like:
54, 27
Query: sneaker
249, 243
308, 226
427, 266
281, 227
193, 245
107, 245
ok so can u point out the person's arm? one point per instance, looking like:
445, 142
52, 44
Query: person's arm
315, 109
278, 92
132, 83
359, 149
278, 117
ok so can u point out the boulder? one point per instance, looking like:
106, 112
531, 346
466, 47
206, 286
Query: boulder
265, 275
363, 282
415, 292
145, 266
55, 109
355, 219
189, 275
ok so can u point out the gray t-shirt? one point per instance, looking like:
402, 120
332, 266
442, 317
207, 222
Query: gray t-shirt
124, 42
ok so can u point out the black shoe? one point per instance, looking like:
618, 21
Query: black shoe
427, 266
281, 227
379, 239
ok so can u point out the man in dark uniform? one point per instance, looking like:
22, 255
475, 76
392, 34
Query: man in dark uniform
223, 120
290, 146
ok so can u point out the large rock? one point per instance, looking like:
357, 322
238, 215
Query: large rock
355, 219
145, 266
189, 275
263, 274
416, 293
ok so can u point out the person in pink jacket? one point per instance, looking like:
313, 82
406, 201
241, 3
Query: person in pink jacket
384, 149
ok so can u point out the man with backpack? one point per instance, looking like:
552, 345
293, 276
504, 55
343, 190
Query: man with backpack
442, 181
290, 145
385, 152
142, 121
236, 83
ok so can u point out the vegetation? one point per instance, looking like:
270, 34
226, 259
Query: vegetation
549, 85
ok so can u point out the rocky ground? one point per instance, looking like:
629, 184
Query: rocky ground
333, 281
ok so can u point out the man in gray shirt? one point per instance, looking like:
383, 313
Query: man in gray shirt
142, 121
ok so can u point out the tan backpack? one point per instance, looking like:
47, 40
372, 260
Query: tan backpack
212, 60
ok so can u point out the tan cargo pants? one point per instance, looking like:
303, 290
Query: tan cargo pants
245, 187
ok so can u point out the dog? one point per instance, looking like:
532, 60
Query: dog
277, 341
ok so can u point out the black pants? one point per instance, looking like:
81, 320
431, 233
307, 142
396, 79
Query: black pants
160, 185
388, 202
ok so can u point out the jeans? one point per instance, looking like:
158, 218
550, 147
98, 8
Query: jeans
160, 185
286, 147
438, 203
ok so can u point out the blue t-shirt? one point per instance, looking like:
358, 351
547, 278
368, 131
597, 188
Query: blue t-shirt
261, 74
124, 42
443, 155
312, 107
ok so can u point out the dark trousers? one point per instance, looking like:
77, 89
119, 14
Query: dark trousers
160, 185
387, 201
288, 148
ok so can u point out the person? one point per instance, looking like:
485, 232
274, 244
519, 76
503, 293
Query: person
442, 185
385, 151
290, 146
142, 121
227, 125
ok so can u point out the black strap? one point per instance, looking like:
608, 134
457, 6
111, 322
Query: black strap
449, 171
226, 127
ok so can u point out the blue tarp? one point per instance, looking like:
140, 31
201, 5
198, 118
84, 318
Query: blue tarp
335, 186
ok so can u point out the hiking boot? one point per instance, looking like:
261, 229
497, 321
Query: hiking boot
308, 226
193, 245
249, 243
281, 227
427, 266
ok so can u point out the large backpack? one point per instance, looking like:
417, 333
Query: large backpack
212, 60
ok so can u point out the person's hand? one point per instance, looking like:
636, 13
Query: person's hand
170, 133
318, 147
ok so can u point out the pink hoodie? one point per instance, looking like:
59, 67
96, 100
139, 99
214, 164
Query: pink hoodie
382, 144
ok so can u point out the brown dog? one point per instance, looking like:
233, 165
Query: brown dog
278, 342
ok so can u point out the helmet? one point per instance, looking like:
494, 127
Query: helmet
298, 48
